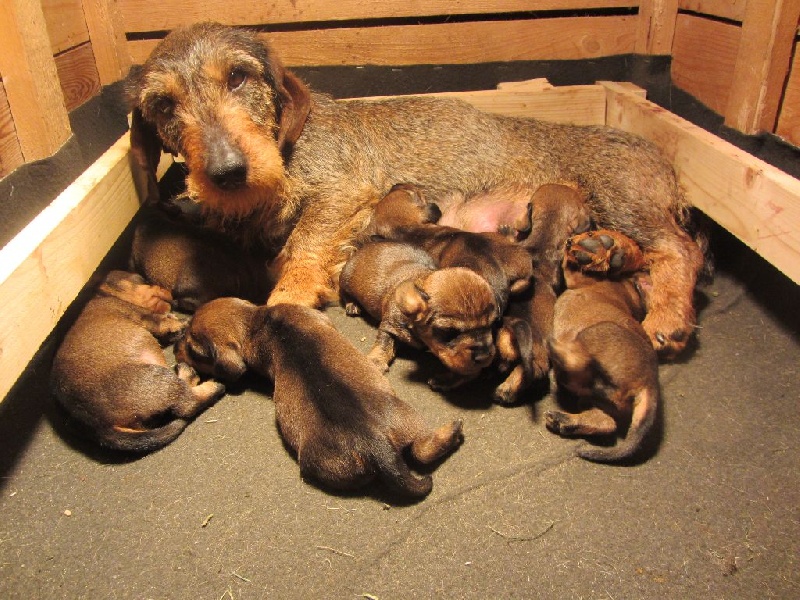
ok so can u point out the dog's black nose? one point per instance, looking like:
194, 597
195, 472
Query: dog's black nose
226, 166
481, 354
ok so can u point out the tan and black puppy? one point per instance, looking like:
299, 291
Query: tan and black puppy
451, 312
599, 349
332, 404
111, 375
195, 263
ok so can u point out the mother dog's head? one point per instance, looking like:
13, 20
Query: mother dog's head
217, 96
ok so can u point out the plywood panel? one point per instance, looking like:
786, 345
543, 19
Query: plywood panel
450, 43
704, 59
145, 15
78, 75
750, 198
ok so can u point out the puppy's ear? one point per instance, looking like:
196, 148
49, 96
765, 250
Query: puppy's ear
295, 106
411, 300
229, 360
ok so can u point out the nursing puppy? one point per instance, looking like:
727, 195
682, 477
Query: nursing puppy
507, 267
111, 375
451, 312
334, 408
599, 350
194, 263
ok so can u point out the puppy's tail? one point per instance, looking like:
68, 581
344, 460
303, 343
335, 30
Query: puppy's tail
645, 404
395, 473
142, 440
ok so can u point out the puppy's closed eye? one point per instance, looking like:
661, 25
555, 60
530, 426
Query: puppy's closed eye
446, 335
198, 352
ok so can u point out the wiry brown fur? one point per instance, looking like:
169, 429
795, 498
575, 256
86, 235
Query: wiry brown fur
332, 405
319, 165
111, 375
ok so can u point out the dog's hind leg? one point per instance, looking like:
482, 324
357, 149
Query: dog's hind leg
435, 444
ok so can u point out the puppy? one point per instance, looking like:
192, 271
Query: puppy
110, 373
507, 267
300, 172
333, 407
449, 311
599, 350
194, 263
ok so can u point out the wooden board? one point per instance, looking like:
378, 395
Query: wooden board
45, 266
78, 75
704, 59
10, 152
551, 39
750, 198
104, 22
727, 9
145, 15
789, 117
65, 24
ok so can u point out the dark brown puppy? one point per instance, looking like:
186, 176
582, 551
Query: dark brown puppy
599, 350
333, 406
451, 312
194, 263
111, 375
300, 171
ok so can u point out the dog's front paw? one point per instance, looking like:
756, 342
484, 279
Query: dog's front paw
669, 334
604, 251
559, 422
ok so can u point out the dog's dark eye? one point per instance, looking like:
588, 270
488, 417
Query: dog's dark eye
236, 79
446, 335
164, 106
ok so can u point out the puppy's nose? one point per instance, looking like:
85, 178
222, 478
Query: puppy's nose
481, 354
226, 166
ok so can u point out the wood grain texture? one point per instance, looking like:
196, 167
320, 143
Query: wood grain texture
104, 21
44, 267
145, 15
727, 9
789, 117
449, 43
77, 72
704, 59
10, 152
655, 27
31, 80
756, 202
65, 24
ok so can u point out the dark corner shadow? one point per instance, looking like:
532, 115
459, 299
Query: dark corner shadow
775, 292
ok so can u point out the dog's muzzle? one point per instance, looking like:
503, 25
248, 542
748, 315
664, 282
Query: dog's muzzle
226, 166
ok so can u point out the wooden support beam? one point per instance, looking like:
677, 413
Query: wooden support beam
762, 64
655, 28
31, 80
107, 33
756, 202
43, 268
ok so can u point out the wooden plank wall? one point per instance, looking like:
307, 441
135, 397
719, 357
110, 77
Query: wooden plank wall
736, 56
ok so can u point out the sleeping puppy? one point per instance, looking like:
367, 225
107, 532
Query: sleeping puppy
333, 407
450, 311
111, 375
506, 266
194, 263
599, 349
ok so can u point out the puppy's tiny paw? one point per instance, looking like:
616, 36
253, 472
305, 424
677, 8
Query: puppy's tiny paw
187, 373
505, 395
604, 251
559, 422
352, 309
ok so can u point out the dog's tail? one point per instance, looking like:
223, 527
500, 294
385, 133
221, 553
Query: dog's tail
142, 440
645, 404
395, 473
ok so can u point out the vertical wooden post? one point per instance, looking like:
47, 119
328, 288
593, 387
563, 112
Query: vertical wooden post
31, 80
762, 64
656, 26
107, 34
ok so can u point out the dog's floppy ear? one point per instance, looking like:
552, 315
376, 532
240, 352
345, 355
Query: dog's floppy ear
146, 145
411, 300
229, 360
295, 106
